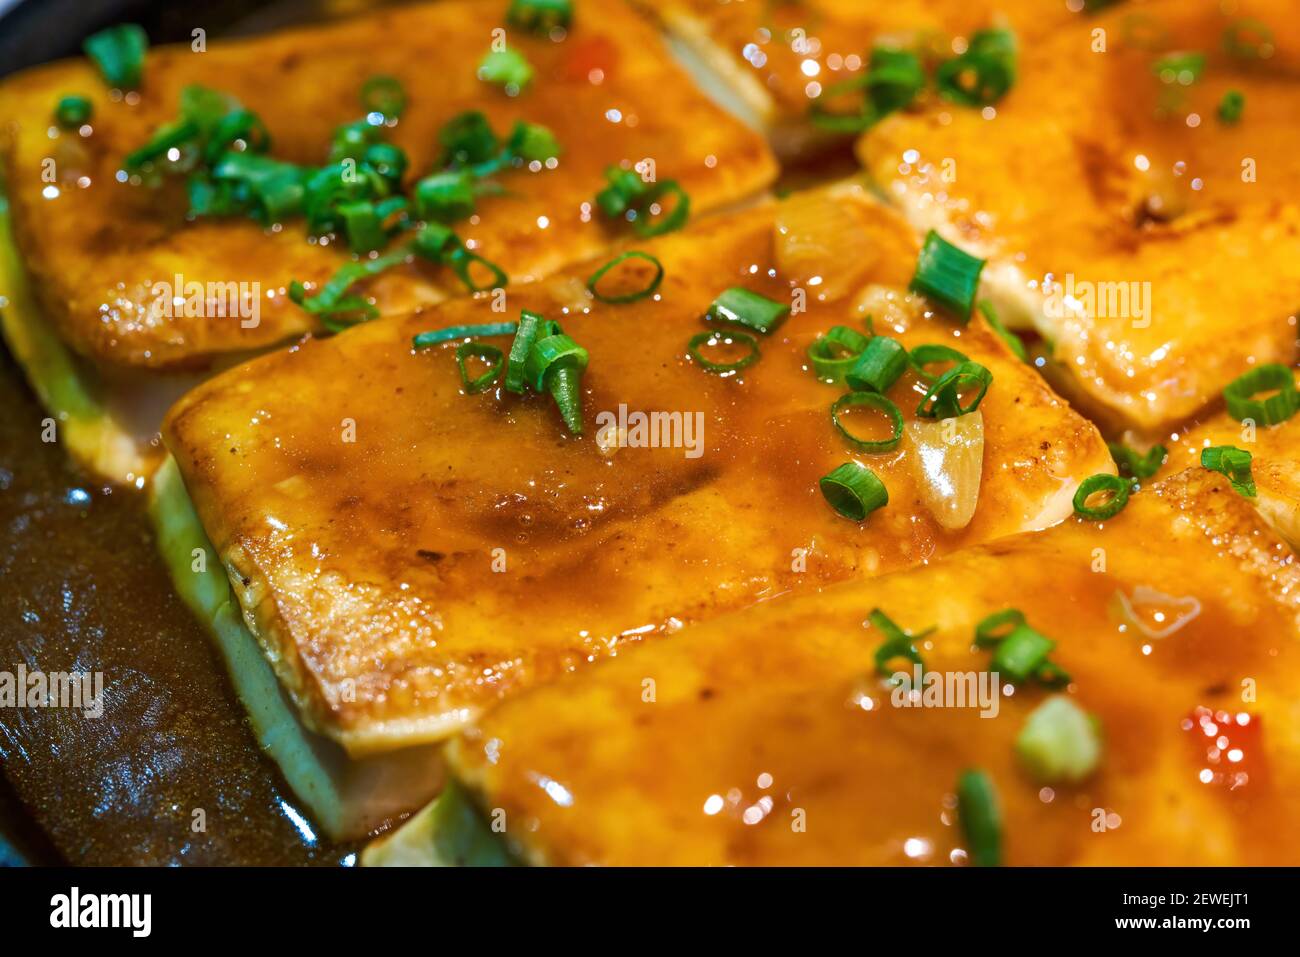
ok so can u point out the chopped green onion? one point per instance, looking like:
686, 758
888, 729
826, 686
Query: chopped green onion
892, 80
1006, 335
1020, 654
875, 401
532, 142
437, 243
624, 192
984, 73
726, 336
337, 310
743, 307
643, 293
516, 365
977, 809
854, 491
119, 52
424, 340
1059, 742
362, 226
540, 16
1239, 395
947, 274
930, 353
274, 189
895, 642
73, 112
383, 95
445, 197
1248, 39
1232, 106
468, 140
481, 350
1137, 466
833, 354
943, 399
388, 160
1101, 483
629, 197
998, 626
674, 219
506, 68
879, 366
1232, 462
555, 364
351, 140
1181, 68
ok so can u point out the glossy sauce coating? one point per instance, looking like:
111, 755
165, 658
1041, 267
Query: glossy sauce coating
368, 565
767, 738
95, 246
1105, 174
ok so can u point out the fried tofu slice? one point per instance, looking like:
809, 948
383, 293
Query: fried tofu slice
768, 62
1274, 467
94, 257
1145, 237
408, 555
769, 738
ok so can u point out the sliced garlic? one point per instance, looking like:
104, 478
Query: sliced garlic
947, 457
813, 231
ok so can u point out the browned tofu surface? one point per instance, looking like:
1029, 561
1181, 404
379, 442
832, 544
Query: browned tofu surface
95, 246
1146, 238
408, 554
767, 737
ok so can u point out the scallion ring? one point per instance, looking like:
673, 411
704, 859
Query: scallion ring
481, 350
1101, 483
73, 112
835, 353
1233, 463
854, 491
929, 353
997, 626
667, 222
383, 95
879, 366
525, 336
875, 401
644, 293
726, 336
948, 275
744, 307
1239, 395
119, 53
943, 399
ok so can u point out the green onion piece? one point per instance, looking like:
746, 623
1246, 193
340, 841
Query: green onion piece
361, 224
388, 160
854, 491
239, 125
743, 307
643, 293
506, 68
481, 350
876, 401
540, 16
879, 366
1232, 462
998, 626
119, 52
1060, 742
445, 197
1052, 675
331, 304
1118, 489
468, 140
625, 192
1137, 466
930, 353
1020, 654
984, 73
943, 399
351, 140
516, 365
667, 222
1181, 68
833, 354
1232, 106
274, 189
73, 112
462, 261
892, 80
1248, 39
1006, 335
424, 340
977, 809
383, 95
555, 364
727, 336
170, 136
1239, 395
532, 142
948, 275
895, 642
